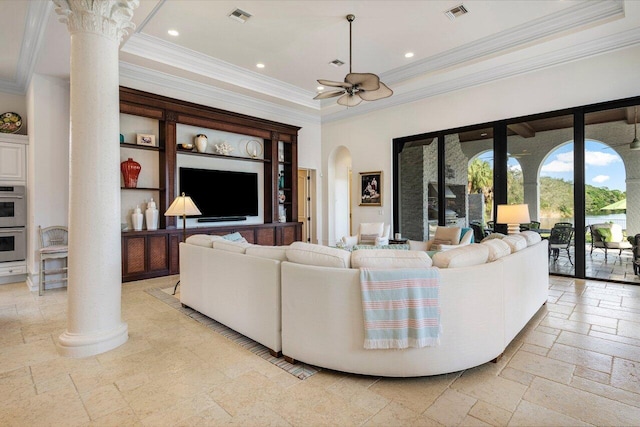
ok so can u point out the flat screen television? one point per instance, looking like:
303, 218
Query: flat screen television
219, 193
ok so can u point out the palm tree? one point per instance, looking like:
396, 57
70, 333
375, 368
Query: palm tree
480, 178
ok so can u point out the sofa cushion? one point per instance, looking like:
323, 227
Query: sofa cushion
462, 256
494, 236
532, 237
322, 256
452, 234
389, 258
497, 249
515, 241
205, 240
226, 245
272, 252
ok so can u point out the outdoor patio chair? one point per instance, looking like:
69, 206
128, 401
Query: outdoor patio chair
560, 239
636, 254
608, 236
479, 232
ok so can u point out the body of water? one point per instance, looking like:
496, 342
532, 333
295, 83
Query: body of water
590, 219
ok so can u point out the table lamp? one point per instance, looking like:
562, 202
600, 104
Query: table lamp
513, 216
182, 206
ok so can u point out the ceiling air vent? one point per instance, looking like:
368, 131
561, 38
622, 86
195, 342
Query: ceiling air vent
240, 15
336, 63
455, 12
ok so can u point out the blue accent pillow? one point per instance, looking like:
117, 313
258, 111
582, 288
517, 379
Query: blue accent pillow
463, 230
233, 237
392, 246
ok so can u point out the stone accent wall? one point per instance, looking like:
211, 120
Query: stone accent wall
413, 202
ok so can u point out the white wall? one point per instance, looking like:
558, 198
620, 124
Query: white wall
48, 161
369, 137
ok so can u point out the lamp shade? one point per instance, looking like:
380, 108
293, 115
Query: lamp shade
513, 214
182, 206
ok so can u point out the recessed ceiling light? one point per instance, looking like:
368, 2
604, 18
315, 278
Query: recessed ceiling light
260, 65
408, 55
320, 88
173, 33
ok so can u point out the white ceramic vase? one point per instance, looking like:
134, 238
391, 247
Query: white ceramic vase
201, 142
151, 215
136, 219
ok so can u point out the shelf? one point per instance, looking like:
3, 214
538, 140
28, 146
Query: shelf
222, 156
142, 188
139, 147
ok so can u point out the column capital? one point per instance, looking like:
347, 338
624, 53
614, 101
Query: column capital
111, 18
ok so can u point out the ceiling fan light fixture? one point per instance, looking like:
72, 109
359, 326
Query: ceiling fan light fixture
356, 86
350, 100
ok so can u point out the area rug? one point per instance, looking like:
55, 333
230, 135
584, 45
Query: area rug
299, 370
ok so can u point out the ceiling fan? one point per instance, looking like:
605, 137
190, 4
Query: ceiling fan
356, 86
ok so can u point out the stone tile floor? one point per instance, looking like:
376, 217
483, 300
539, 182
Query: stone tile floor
617, 267
576, 363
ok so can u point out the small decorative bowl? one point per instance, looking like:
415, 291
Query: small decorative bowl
186, 146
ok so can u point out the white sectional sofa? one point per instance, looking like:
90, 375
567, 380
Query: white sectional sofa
236, 284
305, 300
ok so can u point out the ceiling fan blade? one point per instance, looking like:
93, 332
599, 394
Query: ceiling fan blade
364, 81
349, 100
335, 84
373, 95
325, 95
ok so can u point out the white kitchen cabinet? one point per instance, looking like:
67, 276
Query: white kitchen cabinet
13, 158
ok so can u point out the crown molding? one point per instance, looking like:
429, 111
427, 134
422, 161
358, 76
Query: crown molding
607, 44
573, 17
36, 24
230, 99
163, 52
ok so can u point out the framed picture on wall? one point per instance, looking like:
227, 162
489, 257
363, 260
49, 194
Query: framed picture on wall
371, 188
144, 139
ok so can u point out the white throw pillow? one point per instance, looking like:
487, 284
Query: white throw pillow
323, 256
532, 237
417, 245
452, 234
389, 258
226, 245
205, 240
497, 249
273, 252
515, 241
462, 256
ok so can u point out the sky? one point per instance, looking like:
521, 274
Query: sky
603, 166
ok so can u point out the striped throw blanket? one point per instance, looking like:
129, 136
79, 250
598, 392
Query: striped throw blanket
401, 307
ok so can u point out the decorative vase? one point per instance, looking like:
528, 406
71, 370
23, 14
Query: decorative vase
130, 171
136, 219
281, 196
151, 215
201, 142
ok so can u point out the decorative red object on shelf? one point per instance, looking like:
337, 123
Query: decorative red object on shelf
130, 171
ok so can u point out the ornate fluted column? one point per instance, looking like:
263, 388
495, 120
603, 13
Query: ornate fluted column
94, 323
